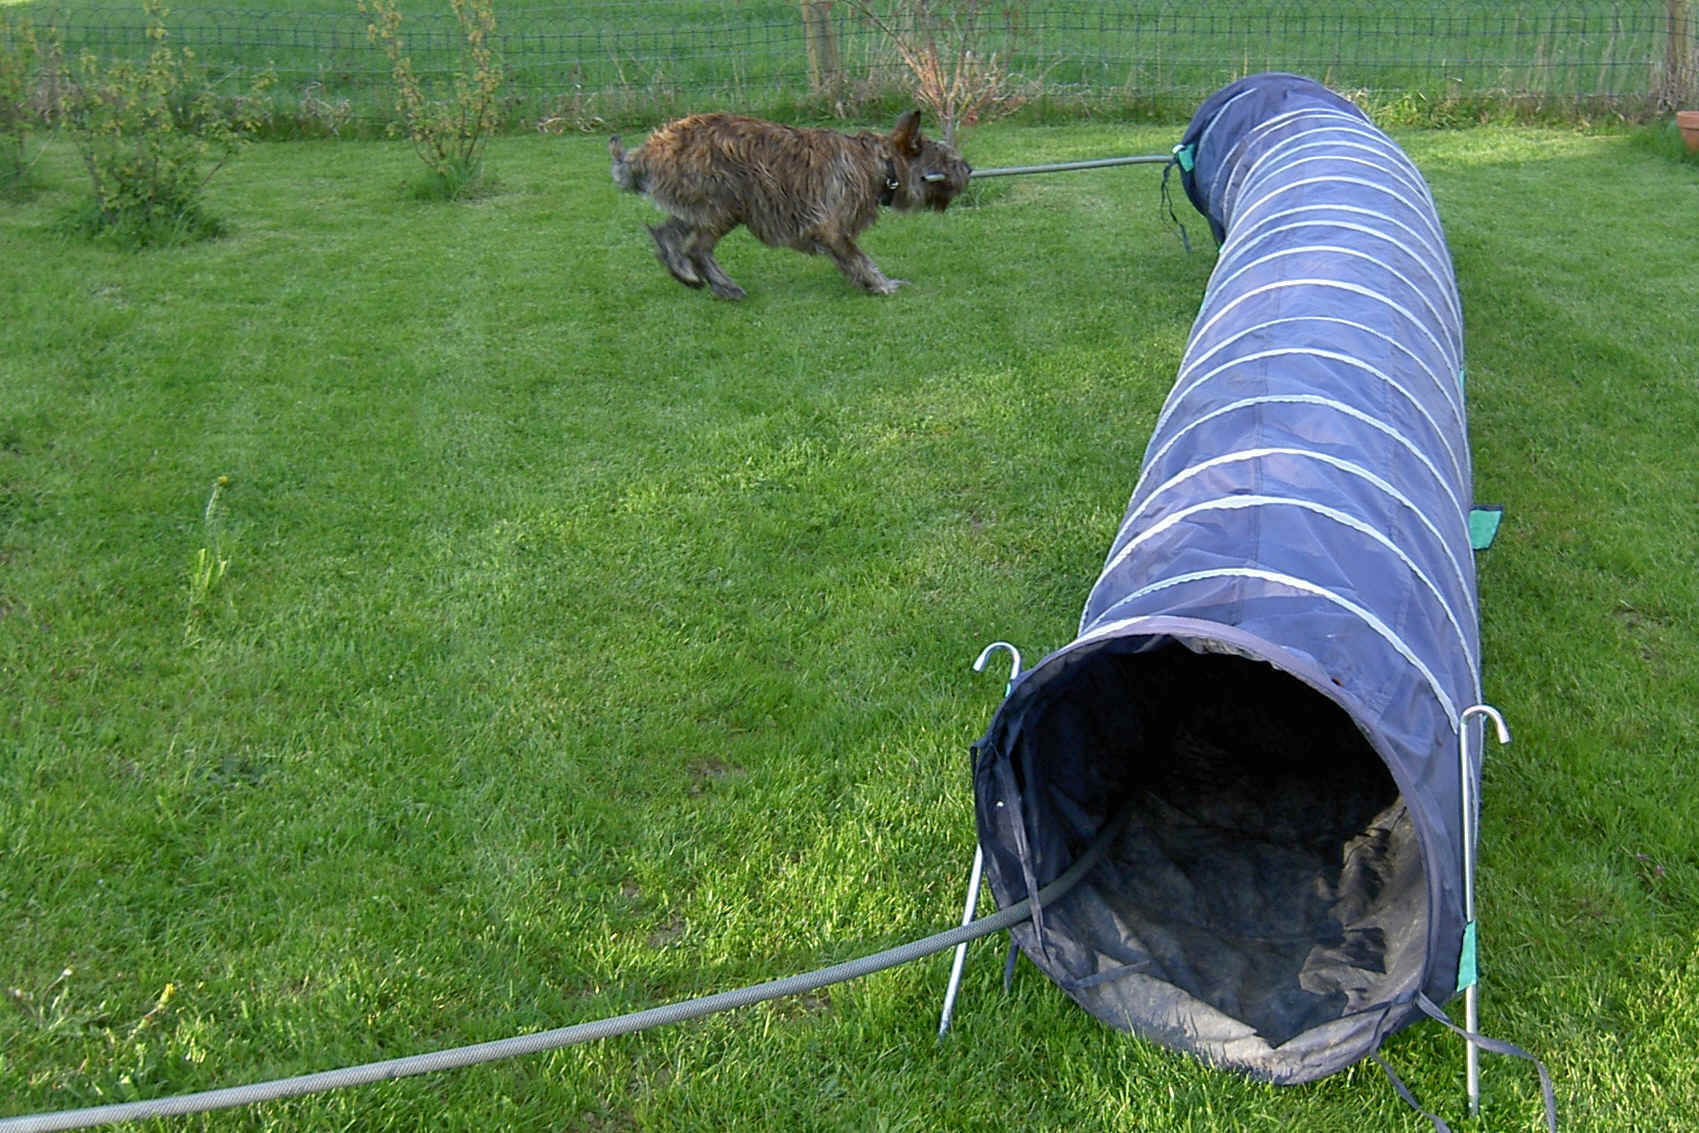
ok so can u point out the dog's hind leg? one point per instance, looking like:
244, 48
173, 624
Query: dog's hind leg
670, 240
859, 267
701, 251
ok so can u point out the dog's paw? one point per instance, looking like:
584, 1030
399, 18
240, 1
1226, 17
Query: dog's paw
672, 259
682, 273
729, 291
888, 286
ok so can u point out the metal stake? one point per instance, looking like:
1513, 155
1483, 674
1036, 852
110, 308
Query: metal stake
1471, 820
978, 870
961, 949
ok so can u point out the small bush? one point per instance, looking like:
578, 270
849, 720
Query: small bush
941, 46
448, 133
28, 100
151, 135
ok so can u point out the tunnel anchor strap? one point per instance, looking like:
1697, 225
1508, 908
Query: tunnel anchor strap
1498, 1046
1409, 1098
1183, 160
1492, 1046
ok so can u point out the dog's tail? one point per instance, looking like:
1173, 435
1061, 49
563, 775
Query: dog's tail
621, 168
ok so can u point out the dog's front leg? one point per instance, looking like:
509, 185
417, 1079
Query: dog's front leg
700, 249
670, 250
860, 268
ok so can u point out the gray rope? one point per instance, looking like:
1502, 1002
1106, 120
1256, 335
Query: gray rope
454, 1058
1060, 166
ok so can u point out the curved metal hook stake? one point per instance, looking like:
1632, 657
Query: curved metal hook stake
978, 870
1471, 815
1015, 660
961, 949
1492, 714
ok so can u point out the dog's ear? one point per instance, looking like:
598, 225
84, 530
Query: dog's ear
906, 136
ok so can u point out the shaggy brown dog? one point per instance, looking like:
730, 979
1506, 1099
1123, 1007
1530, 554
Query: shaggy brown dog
812, 190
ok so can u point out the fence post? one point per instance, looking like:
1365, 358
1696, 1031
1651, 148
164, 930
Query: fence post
1679, 69
824, 70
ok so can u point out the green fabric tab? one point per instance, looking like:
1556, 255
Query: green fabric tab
1483, 526
1184, 155
1467, 973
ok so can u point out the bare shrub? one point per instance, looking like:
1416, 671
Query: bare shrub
942, 47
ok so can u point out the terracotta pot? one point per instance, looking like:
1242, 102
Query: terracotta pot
1688, 122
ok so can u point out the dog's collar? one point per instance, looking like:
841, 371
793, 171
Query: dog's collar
891, 184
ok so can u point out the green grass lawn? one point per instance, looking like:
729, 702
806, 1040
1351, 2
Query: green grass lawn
585, 643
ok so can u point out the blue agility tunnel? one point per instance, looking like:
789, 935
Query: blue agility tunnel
1275, 669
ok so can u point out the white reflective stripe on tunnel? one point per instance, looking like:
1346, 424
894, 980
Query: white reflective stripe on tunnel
1251, 137
1338, 406
1448, 387
1304, 587
1441, 282
1351, 125
1382, 146
1179, 395
1419, 212
1344, 466
1239, 503
1453, 347
1453, 366
1313, 113
1284, 158
1203, 138
1249, 220
1438, 265
1392, 185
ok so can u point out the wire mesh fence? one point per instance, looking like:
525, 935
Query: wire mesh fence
582, 59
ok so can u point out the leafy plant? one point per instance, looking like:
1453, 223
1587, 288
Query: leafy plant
151, 135
448, 133
28, 98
